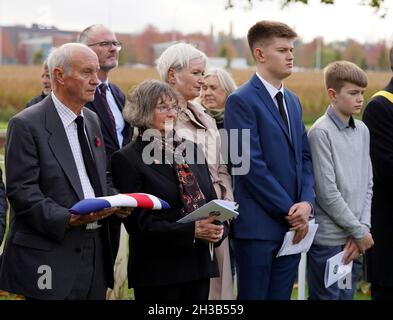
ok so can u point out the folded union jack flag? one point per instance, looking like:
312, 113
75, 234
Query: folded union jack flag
133, 200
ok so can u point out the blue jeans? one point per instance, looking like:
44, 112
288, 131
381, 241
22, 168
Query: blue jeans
316, 262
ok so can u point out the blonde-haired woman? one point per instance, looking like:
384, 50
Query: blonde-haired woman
183, 66
218, 85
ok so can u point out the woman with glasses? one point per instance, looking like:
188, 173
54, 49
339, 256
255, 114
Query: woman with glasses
168, 260
183, 66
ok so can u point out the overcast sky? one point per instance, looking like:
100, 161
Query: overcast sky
345, 19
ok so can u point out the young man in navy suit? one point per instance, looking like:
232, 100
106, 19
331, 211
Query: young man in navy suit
276, 194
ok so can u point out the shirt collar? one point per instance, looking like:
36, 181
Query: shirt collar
106, 83
270, 88
341, 125
65, 113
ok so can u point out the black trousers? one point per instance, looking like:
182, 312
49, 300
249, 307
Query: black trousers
193, 290
90, 281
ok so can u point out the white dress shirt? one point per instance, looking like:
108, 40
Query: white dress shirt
68, 119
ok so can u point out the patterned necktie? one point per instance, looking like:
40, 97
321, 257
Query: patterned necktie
281, 108
103, 88
90, 164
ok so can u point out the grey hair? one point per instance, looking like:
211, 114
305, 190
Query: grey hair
142, 101
84, 36
177, 57
61, 58
224, 78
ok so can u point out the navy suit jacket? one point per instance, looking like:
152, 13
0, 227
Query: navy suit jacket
280, 164
111, 143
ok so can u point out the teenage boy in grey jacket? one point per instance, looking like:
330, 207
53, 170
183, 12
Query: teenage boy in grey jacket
343, 181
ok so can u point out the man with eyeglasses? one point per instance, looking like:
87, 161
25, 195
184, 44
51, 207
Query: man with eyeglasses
109, 100
108, 104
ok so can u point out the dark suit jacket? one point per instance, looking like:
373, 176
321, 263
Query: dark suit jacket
280, 167
161, 251
378, 116
111, 143
42, 183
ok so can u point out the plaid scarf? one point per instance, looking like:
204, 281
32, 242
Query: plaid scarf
190, 192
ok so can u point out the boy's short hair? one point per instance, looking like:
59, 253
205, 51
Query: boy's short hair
263, 31
338, 72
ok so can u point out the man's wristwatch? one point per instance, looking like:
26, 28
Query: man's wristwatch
312, 210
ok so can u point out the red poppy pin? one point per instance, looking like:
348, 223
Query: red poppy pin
97, 142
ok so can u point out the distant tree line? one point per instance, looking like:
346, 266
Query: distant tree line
372, 3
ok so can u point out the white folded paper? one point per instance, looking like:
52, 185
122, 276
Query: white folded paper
223, 210
288, 247
335, 269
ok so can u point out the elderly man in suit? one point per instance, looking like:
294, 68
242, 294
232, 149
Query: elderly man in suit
276, 194
54, 158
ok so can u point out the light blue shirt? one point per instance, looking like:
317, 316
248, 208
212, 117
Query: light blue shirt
115, 111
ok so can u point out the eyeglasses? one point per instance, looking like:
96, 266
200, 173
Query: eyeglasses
166, 109
107, 44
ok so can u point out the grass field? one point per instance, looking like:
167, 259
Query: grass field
18, 84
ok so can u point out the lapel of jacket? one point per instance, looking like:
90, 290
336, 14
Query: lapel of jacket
92, 134
100, 109
114, 94
60, 146
121, 104
268, 102
292, 112
199, 117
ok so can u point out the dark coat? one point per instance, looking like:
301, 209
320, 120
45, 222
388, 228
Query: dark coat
35, 100
162, 251
111, 143
378, 116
